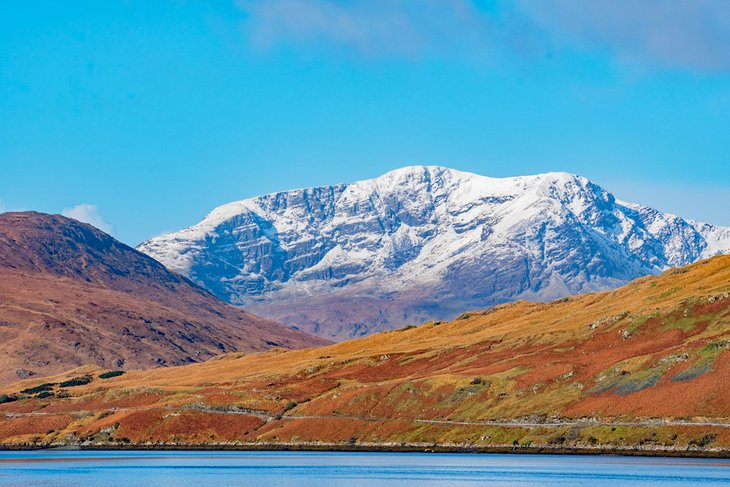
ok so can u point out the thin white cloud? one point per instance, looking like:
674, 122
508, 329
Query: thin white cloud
691, 35
682, 34
88, 214
372, 28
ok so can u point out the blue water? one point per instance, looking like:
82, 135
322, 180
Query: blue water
253, 469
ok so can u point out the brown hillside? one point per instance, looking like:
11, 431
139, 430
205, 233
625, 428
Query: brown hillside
71, 295
642, 367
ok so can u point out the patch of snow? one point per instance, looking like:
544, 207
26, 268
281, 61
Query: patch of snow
474, 240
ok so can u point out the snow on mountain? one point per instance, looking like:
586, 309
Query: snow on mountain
426, 242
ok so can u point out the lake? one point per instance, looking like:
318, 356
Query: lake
56, 468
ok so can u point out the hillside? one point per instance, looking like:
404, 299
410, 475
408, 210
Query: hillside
71, 295
425, 243
642, 368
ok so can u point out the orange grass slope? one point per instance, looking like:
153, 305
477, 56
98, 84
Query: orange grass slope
642, 368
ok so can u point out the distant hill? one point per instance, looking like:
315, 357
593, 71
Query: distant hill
643, 368
425, 243
72, 295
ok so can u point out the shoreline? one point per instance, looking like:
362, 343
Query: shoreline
377, 448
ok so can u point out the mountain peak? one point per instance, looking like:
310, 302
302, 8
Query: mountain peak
63, 247
425, 242
448, 177
426, 172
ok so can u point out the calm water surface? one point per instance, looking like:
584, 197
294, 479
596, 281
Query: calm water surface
252, 469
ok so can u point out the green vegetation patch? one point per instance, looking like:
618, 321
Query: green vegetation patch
638, 381
289, 406
628, 376
465, 392
40, 388
76, 381
110, 374
628, 435
684, 324
686, 317
706, 358
704, 441
4, 398
633, 327
105, 435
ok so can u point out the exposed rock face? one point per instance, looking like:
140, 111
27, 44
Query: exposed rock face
71, 295
423, 243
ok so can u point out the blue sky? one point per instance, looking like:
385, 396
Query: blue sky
143, 116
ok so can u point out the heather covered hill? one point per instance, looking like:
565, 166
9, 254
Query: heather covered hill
642, 368
71, 295
425, 243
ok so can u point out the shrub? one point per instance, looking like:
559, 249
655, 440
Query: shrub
44, 394
41, 388
110, 374
704, 441
4, 398
76, 381
290, 405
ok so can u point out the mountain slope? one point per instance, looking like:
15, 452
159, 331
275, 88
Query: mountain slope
645, 367
423, 243
71, 295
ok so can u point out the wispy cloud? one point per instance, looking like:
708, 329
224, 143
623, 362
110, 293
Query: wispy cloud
88, 214
375, 28
677, 34
683, 34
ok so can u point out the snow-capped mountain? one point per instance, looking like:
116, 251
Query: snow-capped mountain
423, 243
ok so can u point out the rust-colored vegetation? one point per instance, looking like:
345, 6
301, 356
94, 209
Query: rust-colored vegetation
643, 367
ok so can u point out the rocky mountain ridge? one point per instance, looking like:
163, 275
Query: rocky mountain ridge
423, 243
